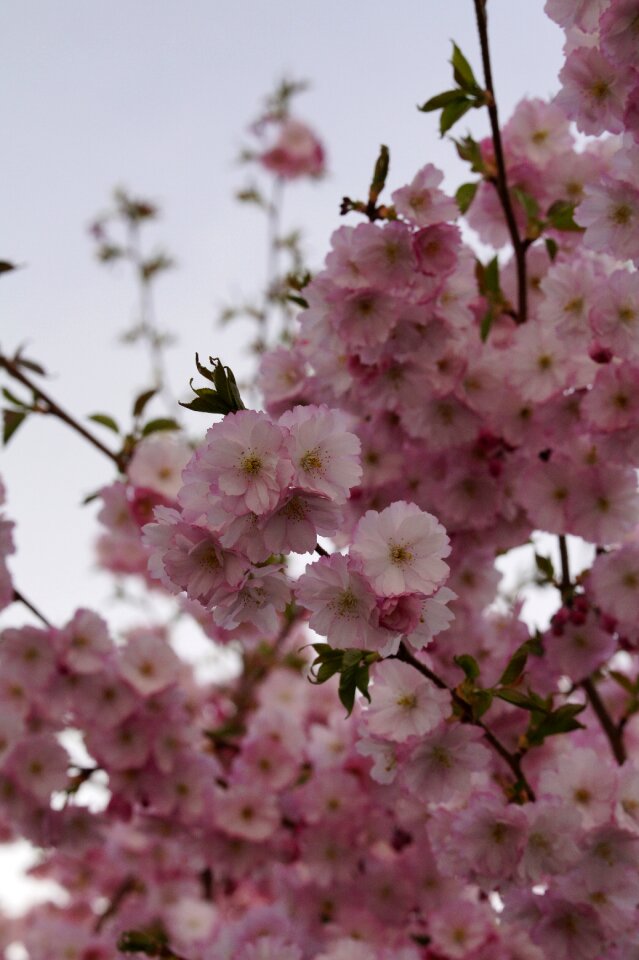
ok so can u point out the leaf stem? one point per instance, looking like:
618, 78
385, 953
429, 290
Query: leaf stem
501, 181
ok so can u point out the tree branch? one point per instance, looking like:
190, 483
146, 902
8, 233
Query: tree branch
512, 759
54, 409
501, 180
612, 731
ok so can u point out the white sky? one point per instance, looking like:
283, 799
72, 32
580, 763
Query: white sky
155, 95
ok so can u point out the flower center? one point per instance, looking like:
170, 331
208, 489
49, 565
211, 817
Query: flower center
621, 215
311, 461
251, 464
399, 553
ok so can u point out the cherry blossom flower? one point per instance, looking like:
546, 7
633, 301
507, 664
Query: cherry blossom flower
400, 550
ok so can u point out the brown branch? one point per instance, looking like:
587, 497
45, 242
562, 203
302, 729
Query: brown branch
512, 759
54, 409
20, 598
501, 180
565, 585
609, 727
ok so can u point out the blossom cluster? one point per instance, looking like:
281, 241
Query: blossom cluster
482, 798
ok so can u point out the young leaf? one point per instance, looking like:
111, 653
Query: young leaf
442, 100
465, 195
452, 113
162, 423
468, 664
545, 567
551, 247
561, 216
470, 151
486, 324
141, 402
105, 420
380, 174
12, 419
462, 71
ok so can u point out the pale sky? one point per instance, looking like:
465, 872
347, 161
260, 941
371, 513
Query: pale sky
155, 95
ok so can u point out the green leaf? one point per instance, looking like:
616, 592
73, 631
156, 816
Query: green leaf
11, 397
629, 685
141, 402
519, 699
380, 174
105, 420
442, 100
11, 420
468, 664
481, 701
491, 278
465, 195
300, 301
561, 216
486, 324
462, 71
545, 567
559, 721
517, 663
470, 151
528, 202
451, 114
162, 423
551, 247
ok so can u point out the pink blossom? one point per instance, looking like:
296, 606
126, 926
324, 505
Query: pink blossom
435, 617
578, 780
85, 642
296, 152
459, 927
324, 454
39, 764
401, 550
619, 32
188, 557
614, 580
246, 811
158, 461
422, 202
404, 704
343, 606
259, 598
593, 92
148, 662
610, 214
537, 131
443, 764
615, 314
613, 402
243, 457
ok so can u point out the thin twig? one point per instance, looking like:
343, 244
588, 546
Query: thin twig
501, 180
20, 598
613, 731
609, 727
512, 759
54, 409
565, 585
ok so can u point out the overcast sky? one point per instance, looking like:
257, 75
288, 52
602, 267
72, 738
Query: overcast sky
154, 95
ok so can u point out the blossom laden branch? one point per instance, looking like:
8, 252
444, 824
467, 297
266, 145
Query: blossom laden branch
501, 179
